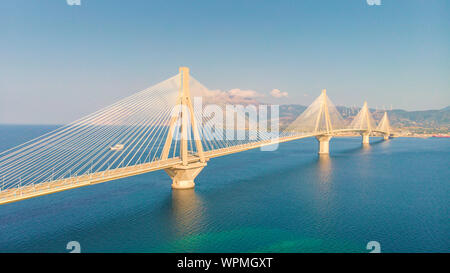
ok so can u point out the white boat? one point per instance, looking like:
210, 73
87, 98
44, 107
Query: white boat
117, 147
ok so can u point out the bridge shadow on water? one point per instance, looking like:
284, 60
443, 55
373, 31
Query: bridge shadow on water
360, 148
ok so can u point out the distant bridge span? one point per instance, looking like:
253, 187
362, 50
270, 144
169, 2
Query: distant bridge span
159, 138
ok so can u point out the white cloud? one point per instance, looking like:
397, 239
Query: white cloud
233, 96
244, 93
278, 94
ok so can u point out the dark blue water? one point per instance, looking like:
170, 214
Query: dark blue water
291, 200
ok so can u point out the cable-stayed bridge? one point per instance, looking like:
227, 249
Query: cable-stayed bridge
160, 128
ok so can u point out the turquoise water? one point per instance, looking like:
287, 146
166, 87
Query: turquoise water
395, 192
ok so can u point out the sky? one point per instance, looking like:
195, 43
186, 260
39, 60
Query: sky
59, 62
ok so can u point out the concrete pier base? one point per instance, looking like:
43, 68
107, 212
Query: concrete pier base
324, 144
365, 138
386, 137
183, 176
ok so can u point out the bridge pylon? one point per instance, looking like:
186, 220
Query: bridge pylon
324, 144
183, 175
324, 116
364, 122
384, 126
320, 119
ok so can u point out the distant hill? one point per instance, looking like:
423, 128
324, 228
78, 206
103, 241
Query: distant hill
433, 119
428, 118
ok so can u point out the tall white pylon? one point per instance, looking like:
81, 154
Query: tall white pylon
320, 117
363, 120
324, 114
324, 141
385, 126
183, 175
188, 122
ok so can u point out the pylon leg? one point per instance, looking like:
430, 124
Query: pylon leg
365, 138
386, 137
324, 144
183, 176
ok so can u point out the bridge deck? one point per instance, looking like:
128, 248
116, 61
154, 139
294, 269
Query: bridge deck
29, 191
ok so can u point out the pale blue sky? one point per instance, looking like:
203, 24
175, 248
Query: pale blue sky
61, 62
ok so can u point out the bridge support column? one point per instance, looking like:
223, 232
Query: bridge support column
386, 137
365, 138
183, 176
324, 144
